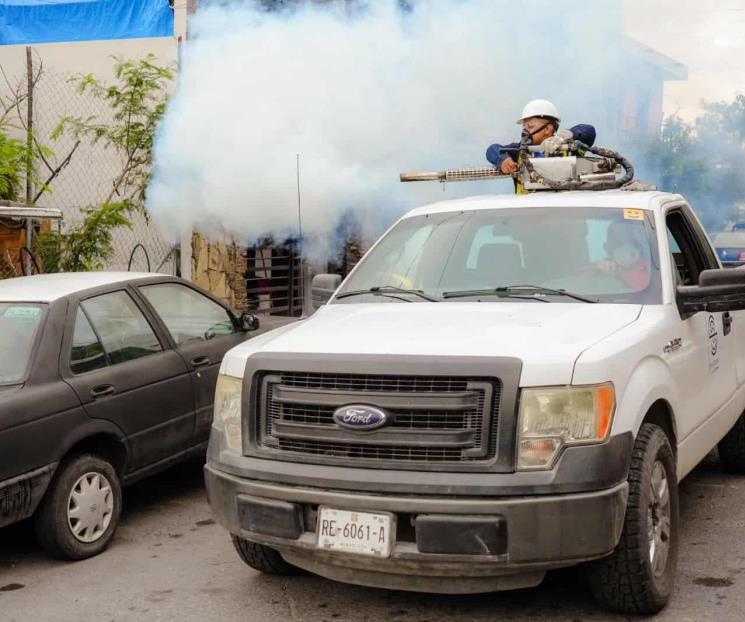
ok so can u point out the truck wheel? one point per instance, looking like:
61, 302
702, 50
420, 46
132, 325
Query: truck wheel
732, 447
262, 558
80, 512
638, 576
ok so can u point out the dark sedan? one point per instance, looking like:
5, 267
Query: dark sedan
104, 378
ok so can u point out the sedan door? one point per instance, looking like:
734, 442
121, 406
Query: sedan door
202, 331
121, 371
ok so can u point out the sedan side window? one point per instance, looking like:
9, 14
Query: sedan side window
123, 330
188, 315
86, 353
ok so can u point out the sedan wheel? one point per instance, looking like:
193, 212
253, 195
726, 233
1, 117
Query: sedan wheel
80, 511
90, 507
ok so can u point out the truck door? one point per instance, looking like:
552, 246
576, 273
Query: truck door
704, 365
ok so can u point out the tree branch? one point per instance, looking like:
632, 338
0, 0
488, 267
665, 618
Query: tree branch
40, 153
56, 172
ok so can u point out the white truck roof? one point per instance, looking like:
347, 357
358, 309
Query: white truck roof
49, 287
646, 200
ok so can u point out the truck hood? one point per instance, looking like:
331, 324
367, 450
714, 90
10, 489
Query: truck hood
547, 337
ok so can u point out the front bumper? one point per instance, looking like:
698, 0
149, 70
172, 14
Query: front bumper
533, 533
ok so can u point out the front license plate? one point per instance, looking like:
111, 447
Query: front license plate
363, 533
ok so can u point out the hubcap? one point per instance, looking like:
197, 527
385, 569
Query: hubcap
90, 507
658, 519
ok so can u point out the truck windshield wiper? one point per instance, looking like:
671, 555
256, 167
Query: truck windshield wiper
383, 290
512, 290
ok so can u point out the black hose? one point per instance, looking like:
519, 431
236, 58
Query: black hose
132, 255
23, 263
614, 155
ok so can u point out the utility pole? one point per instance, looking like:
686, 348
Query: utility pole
182, 33
29, 155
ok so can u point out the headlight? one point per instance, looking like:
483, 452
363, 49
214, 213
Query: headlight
227, 413
553, 417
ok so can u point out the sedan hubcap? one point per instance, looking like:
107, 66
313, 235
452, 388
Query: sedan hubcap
658, 519
90, 507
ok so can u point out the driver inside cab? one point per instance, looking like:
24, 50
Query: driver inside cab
628, 257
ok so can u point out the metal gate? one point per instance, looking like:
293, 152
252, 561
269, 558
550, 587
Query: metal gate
274, 280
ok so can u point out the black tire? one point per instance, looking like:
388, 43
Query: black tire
263, 558
732, 447
626, 581
54, 528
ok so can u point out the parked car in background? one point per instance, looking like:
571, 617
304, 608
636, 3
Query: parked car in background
104, 378
730, 245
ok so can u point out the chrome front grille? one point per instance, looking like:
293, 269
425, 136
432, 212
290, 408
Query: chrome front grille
434, 419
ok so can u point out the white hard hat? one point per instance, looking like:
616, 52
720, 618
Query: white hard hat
539, 108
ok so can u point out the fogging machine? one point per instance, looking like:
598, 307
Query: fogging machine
577, 167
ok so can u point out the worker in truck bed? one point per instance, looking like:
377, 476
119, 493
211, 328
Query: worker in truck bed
540, 121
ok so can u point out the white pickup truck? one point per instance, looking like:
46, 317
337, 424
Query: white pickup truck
504, 385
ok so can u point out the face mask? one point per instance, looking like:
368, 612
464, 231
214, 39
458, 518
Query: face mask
526, 137
626, 255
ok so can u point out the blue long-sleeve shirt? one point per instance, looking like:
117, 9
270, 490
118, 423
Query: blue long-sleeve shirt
495, 154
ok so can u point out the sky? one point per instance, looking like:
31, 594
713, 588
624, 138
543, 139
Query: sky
708, 36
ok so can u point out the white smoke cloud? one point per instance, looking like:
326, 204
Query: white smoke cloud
362, 95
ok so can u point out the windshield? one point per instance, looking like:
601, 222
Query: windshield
19, 325
604, 254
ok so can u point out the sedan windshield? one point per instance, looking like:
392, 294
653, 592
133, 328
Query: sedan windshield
551, 254
19, 325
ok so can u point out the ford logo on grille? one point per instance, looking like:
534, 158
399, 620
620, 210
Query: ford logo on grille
360, 417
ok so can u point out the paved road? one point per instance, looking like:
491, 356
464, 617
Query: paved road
170, 561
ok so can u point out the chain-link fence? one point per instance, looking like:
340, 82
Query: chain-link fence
89, 176
79, 173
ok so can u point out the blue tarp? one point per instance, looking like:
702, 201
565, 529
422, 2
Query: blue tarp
48, 21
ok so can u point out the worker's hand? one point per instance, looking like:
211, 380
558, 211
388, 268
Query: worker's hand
508, 166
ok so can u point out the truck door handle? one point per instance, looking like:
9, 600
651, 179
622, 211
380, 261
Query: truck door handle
200, 361
727, 320
101, 390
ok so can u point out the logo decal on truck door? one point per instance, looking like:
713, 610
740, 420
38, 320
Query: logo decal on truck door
672, 345
713, 343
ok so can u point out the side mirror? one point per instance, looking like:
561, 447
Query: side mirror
248, 322
721, 289
323, 287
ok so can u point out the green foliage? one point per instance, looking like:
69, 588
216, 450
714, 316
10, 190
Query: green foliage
86, 246
137, 102
12, 166
678, 162
726, 121
703, 161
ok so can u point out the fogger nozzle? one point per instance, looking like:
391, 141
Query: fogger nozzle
456, 174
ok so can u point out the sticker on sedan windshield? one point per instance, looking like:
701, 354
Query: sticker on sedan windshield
633, 214
30, 312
